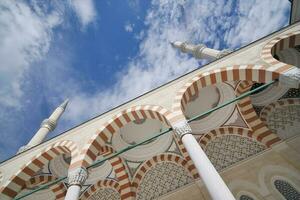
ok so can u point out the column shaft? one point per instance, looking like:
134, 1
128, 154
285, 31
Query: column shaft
215, 185
73, 192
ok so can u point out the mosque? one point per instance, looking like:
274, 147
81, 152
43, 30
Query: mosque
228, 130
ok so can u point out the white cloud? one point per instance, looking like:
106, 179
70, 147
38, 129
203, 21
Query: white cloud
85, 10
25, 37
206, 21
128, 27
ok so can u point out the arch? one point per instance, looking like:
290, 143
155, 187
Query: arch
17, 181
257, 73
58, 189
269, 173
228, 145
259, 130
90, 150
286, 188
282, 117
107, 183
228, 130
273, 47
120, 171
266, 111
167, 157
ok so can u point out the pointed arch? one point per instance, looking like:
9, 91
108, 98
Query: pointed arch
167, 157
257, 73
278, 44
18, 180
266, 111
59, 189
120, 171
228, 130
107, 183
258, 129
106, 131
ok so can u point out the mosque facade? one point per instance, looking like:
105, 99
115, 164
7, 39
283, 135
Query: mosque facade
228, 130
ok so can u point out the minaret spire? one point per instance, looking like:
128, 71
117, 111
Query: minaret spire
200, 51
47, 126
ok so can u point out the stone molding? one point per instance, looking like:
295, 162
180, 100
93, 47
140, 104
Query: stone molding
77, 176
49, 124
182, 128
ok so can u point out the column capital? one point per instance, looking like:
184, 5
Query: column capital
182, 128
49, 124
291, 78
77, 176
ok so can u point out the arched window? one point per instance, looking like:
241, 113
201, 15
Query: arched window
287, 190
246, 197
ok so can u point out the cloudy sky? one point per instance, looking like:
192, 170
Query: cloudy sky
102, 53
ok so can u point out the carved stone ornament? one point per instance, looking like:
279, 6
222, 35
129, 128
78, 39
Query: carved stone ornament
290, 78
77, 176
182, 128
49, 124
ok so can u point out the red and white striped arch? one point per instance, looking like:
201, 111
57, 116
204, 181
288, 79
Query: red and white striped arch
58, 189
266, 111
167, 157
259, 130
18, 180
278, 44
94, 145
120, 171
205, 139
257, 73
107, 183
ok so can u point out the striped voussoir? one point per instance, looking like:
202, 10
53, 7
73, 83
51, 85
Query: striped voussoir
58, 189
186, 156
107, 183
167, 157
278, 44
267, 110
120, 171
228, 130
18, 180
256, 73
258, 129
91, 149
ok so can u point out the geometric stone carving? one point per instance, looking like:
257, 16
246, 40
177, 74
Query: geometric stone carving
182, 128
161, 179
105, 194
77, 176
287, 190
285, 121
228, 149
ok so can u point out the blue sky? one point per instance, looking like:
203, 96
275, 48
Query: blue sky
102, 53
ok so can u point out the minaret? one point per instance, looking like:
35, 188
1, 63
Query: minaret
47, 126
200, 51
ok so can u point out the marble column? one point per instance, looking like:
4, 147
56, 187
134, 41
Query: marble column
47, 126
200, 51
212, 180
76, 179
